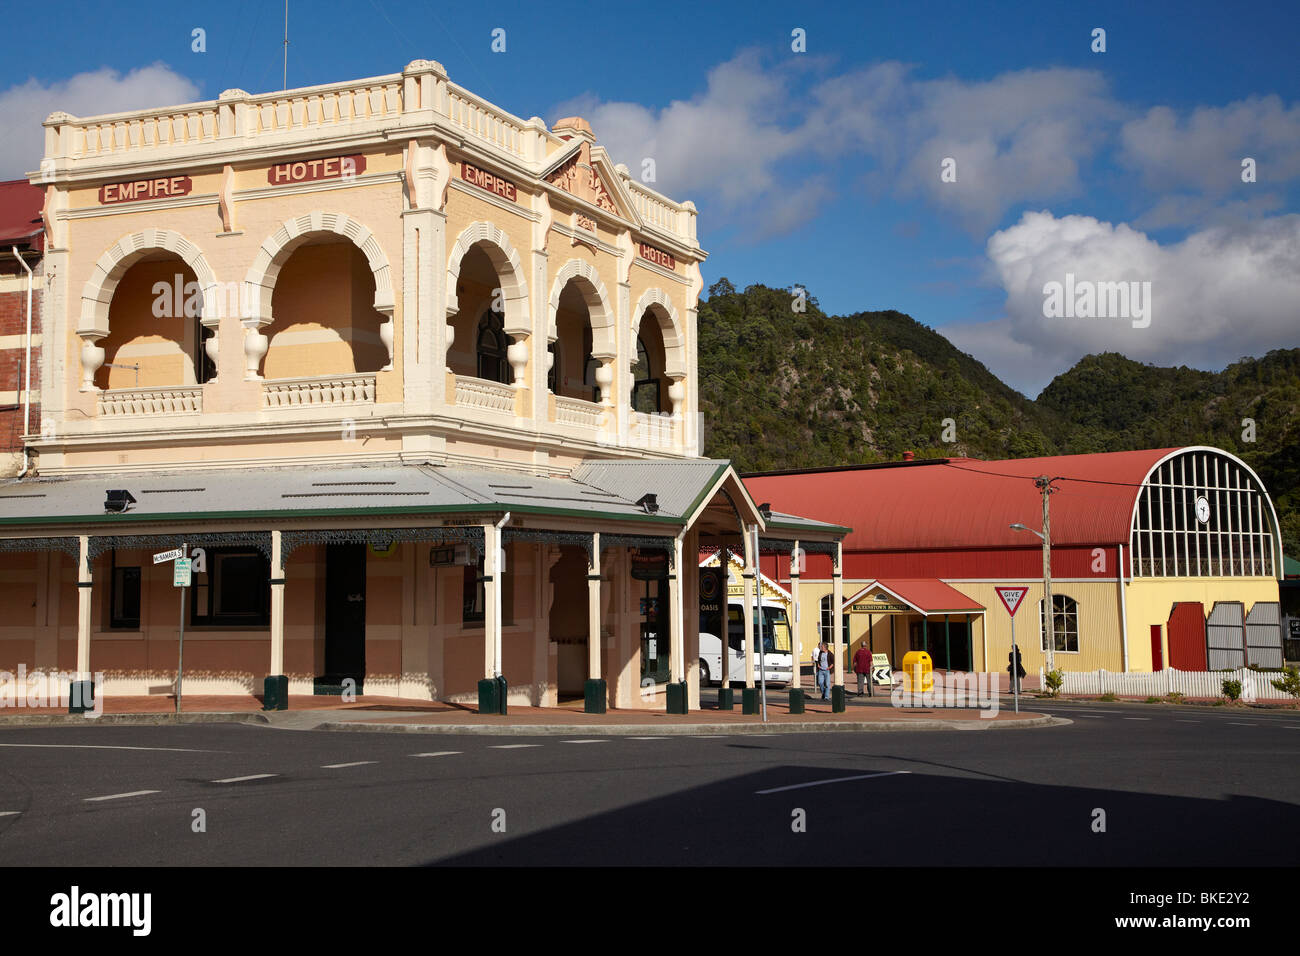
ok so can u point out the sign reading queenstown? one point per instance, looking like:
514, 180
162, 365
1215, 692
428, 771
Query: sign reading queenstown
487, 181
657, 256
311, 170
141, 189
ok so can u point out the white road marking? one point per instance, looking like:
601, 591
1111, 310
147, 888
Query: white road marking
645, 738
1090, 716
119, 796
706, 736
438, 753
818, 783
1137, 718
251, 776
175, 750
1184, 720
9, 813
584, 741
340, 766
1238, 723
511, 746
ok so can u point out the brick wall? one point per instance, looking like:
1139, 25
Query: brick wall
13, 329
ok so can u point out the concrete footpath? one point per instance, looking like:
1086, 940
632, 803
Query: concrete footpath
396, 715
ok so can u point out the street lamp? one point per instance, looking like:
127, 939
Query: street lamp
1049, 623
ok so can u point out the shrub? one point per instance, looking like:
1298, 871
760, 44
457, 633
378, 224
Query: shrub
1174, 697
1107, 697
1154, 700
1232, 689
1054, 679
1290, 682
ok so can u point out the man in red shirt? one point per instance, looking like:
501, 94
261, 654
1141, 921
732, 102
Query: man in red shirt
862, 665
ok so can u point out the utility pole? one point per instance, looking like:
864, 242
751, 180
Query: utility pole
1044, 484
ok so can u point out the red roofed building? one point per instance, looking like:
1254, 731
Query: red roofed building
1135, 536
21, 241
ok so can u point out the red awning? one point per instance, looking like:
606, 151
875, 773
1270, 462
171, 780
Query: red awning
923, 595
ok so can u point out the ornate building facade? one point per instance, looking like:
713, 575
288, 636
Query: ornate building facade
412, 380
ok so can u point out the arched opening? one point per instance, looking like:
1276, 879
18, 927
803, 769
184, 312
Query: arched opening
155, 336
479, 343
649, 383
490, 348
573, 370
324, 319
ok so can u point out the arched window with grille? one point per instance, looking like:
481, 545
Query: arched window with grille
491, 348
645, 384
1065, 624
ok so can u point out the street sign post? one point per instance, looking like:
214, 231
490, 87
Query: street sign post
181, 571
1011, 599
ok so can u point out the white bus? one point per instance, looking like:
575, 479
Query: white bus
777, 646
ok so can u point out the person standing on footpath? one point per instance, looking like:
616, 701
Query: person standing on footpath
824, 671
862, 665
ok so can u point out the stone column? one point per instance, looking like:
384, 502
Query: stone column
837, 577
82, 692
595, 692
796, 646
275, 695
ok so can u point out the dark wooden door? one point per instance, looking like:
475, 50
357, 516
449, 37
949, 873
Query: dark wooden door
1157, 653
345, 612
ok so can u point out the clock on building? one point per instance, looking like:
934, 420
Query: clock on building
1202, 509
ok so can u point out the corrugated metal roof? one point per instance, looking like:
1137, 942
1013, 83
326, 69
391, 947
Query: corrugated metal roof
927, 595
966, 503
20, 211
677, 485
409, 488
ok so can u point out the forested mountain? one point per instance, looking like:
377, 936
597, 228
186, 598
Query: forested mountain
783, 388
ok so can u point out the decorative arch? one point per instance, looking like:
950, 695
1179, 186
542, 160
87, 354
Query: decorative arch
1227, 485
259, 282
603, 345
97, 294
496, 244
661, 307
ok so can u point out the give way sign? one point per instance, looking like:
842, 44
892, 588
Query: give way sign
1011, 598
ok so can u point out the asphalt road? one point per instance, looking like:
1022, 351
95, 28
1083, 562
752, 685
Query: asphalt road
1177, 786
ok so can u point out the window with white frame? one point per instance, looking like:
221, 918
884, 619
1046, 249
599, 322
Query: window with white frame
1065, 623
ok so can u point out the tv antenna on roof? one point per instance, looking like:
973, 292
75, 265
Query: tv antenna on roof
286, 45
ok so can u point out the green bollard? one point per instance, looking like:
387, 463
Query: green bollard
594, 696
677, 699
796, 700
489, 696
749, 698
726, 698
275, 693
837, 699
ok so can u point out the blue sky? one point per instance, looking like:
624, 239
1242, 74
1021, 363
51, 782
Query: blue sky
823, 167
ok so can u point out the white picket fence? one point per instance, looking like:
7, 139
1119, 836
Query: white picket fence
1254, 685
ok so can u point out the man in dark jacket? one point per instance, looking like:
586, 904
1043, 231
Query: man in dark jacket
1015, 668
862, 665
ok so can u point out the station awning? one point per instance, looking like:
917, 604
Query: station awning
927, 596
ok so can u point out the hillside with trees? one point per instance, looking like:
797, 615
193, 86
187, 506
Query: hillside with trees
784, 388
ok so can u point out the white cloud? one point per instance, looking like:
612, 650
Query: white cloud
1221, 293
25, 106
1203, 149
765, 140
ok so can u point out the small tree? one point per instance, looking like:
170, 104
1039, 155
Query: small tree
1055, 680
1232, 688
1289, 682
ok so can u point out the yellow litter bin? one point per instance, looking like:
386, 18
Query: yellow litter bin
918, 672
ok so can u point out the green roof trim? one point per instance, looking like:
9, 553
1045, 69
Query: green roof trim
493, 508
